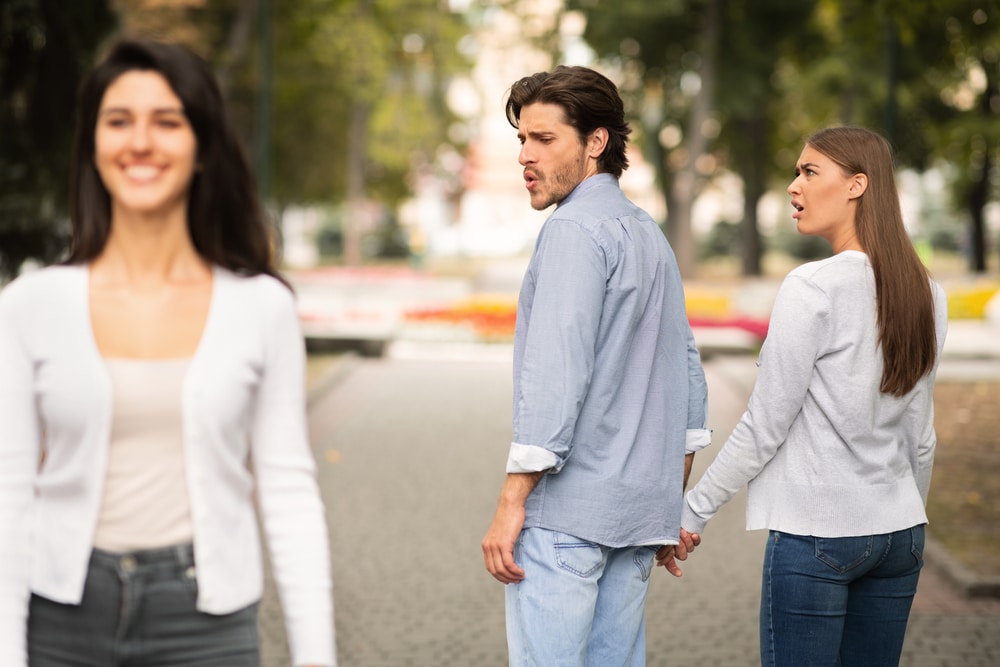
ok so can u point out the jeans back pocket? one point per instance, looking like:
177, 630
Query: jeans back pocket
578, 556
843, 553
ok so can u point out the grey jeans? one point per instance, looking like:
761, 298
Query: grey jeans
138, 608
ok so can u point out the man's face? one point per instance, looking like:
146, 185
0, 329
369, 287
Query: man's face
554, 159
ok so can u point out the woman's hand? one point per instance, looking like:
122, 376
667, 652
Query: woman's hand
669, 554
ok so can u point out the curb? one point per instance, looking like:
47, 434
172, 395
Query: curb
969, 583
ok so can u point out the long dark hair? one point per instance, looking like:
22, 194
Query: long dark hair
589, 99
225, 218
905, 304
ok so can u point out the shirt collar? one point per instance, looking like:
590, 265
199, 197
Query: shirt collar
588, 184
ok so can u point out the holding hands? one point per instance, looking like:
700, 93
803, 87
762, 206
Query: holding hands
669, 554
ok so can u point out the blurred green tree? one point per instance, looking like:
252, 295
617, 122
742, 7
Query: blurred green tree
667, 54
757, 36
355, 93
740, 84
359, 105
968, 138
701, 78
925, 73
45, 46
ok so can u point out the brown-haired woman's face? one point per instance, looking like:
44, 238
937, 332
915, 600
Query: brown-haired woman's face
145, 148
823, 197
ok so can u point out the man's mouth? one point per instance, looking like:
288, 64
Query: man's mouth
530, 181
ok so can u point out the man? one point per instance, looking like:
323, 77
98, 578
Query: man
609, 393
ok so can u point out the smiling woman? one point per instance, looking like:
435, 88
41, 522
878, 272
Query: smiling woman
159, 377
146, 150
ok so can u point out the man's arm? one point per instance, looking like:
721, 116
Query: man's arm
498, 545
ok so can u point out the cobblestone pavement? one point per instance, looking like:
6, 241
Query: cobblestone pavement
411, 455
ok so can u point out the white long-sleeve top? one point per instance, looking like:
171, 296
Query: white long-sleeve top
822, 451
244, 427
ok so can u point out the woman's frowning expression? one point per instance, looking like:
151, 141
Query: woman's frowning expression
825, 198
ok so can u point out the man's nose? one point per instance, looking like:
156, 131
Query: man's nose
525, 156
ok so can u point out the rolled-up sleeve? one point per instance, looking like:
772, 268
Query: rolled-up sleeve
528, 458
699, 435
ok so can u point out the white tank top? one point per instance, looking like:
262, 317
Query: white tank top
145, 502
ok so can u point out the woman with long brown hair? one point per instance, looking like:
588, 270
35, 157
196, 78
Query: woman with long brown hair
152, 400
837, 443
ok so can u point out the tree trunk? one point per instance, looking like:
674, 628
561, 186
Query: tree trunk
753, 189
979, 193
357, 141
978, 196
237, 43
685, 184
355, 183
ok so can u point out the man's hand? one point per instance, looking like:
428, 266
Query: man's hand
669, 554
498, 545
666, 558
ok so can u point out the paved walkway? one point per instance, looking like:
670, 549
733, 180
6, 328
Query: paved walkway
411, 453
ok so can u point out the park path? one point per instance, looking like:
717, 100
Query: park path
411, 450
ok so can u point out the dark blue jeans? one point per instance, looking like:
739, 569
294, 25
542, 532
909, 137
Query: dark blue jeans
838, 601
139, 609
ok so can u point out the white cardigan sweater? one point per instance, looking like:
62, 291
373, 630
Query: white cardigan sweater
244, 433
823, 451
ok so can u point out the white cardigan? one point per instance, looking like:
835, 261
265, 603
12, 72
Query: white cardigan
822, 450
244, 433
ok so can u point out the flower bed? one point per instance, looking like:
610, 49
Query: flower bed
492, 318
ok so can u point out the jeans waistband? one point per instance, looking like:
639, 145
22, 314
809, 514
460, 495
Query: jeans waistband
178, 554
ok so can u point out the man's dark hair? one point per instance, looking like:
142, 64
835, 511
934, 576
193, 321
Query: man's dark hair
589, 100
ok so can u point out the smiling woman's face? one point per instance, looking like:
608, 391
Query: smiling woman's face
145, 148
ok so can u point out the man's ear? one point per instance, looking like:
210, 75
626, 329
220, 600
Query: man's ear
597, 142
858, 186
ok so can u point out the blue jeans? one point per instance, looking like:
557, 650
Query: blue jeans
138, 609
580, 604
838, 601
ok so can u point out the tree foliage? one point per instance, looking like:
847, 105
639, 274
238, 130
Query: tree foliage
394, 59
923, 72
355, 93
45, 46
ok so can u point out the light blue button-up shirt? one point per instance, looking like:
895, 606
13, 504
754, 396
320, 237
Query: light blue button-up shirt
609, 391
